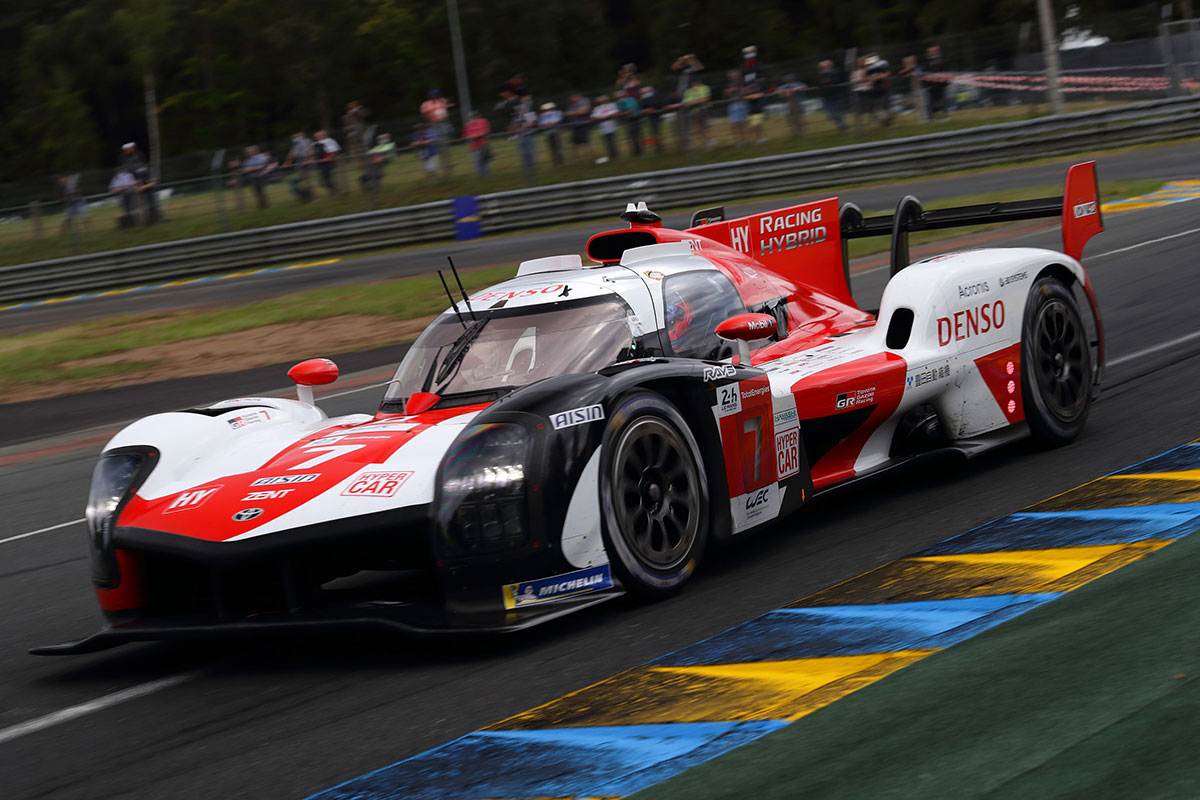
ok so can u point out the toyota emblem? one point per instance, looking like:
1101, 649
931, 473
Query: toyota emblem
247, 514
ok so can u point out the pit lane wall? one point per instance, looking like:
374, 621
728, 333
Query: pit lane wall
653, 722
1084, 131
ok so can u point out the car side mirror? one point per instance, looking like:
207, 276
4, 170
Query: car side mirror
746, 328
314, 372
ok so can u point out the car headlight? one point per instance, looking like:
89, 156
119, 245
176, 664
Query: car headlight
483, 489
116, 475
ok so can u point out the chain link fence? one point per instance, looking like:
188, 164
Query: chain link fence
989, 77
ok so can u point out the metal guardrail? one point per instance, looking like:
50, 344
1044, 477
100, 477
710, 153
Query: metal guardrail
525, 208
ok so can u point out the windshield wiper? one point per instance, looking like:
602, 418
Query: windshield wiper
457, 350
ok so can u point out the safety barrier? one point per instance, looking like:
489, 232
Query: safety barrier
1159, 120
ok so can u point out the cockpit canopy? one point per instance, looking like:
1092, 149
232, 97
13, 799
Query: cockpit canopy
481, 359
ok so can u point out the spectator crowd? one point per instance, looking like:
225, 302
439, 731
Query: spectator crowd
633, 118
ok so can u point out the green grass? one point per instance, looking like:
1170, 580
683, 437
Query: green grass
197, 214
1094, 695
39, 358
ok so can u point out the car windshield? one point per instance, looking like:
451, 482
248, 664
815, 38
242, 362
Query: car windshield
508, 348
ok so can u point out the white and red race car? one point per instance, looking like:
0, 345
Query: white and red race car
583, 431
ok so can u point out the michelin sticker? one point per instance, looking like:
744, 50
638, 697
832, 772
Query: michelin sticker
558, 587
576, 416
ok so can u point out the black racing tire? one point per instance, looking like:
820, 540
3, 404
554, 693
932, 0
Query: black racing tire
1056, 364
653, 496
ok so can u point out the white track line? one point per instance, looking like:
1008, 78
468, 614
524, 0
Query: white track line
1151, 350
43, 530
352, 391
92, 706
1143, 244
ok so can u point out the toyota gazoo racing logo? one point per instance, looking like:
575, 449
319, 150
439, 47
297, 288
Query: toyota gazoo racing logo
247, 514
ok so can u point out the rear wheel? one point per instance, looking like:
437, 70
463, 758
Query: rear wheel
654, 495
1056, 364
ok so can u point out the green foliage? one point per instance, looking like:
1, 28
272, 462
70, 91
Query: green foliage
233, 71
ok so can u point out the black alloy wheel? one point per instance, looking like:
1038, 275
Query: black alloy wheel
1056, 364
654, 495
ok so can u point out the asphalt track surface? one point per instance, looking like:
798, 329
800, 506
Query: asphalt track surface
1163, 162
285, 718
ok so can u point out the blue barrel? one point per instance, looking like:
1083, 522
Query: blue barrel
467, 223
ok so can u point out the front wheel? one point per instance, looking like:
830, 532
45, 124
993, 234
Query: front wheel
1056, 364
654, 495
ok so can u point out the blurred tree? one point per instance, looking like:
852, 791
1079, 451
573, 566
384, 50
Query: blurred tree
146, 24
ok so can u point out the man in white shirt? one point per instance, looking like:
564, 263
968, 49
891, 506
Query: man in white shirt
122, 185
604, 113
326, 150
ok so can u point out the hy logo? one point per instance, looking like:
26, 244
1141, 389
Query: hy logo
188, 500
740, 238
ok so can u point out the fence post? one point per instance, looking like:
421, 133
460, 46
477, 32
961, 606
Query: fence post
1169, 60
219, 190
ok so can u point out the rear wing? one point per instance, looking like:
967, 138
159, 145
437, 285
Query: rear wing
1078, 206
810, 242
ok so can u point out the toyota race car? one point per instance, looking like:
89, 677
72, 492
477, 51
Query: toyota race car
580, 432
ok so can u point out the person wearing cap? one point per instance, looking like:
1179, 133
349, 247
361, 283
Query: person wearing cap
879, 78
134, 162
753, 83
550, 122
